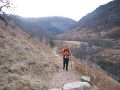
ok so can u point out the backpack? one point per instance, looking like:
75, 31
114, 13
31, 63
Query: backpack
66, 52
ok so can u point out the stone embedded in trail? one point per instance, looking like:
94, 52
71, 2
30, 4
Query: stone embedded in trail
86, 79
77, 85
55, 89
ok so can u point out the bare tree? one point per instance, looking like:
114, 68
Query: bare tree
4, 4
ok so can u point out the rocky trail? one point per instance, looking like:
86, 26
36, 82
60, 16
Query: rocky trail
63, 77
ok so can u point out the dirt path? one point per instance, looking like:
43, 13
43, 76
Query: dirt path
62, 77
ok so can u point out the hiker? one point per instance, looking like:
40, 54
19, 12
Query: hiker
66, 53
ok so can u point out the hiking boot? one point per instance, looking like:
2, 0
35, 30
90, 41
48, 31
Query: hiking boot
67, 70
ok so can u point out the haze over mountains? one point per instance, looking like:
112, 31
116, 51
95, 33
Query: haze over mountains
46, 26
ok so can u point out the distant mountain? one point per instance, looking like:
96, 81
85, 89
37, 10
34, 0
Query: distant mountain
46, 26
104, 22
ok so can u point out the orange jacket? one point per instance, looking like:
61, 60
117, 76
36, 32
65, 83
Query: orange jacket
65, 52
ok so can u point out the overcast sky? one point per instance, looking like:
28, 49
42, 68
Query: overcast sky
73, 9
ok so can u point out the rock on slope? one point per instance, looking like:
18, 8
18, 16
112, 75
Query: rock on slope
25, 64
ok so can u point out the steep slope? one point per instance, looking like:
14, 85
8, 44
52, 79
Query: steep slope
24, 64
45, 26
104, 22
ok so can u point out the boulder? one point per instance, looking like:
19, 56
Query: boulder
77, 85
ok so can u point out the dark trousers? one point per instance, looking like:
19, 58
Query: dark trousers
65, 63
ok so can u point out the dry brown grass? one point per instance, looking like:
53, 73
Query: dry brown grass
25, 63
113, 55
99, 78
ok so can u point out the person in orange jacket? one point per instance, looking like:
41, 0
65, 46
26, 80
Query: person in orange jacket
66, 53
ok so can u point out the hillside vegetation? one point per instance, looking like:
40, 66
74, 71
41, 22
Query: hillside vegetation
25, 64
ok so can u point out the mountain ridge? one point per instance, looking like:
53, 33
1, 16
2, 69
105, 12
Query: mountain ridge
101, 23
44, 26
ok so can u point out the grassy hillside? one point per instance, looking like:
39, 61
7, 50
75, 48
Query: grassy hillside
24, 64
